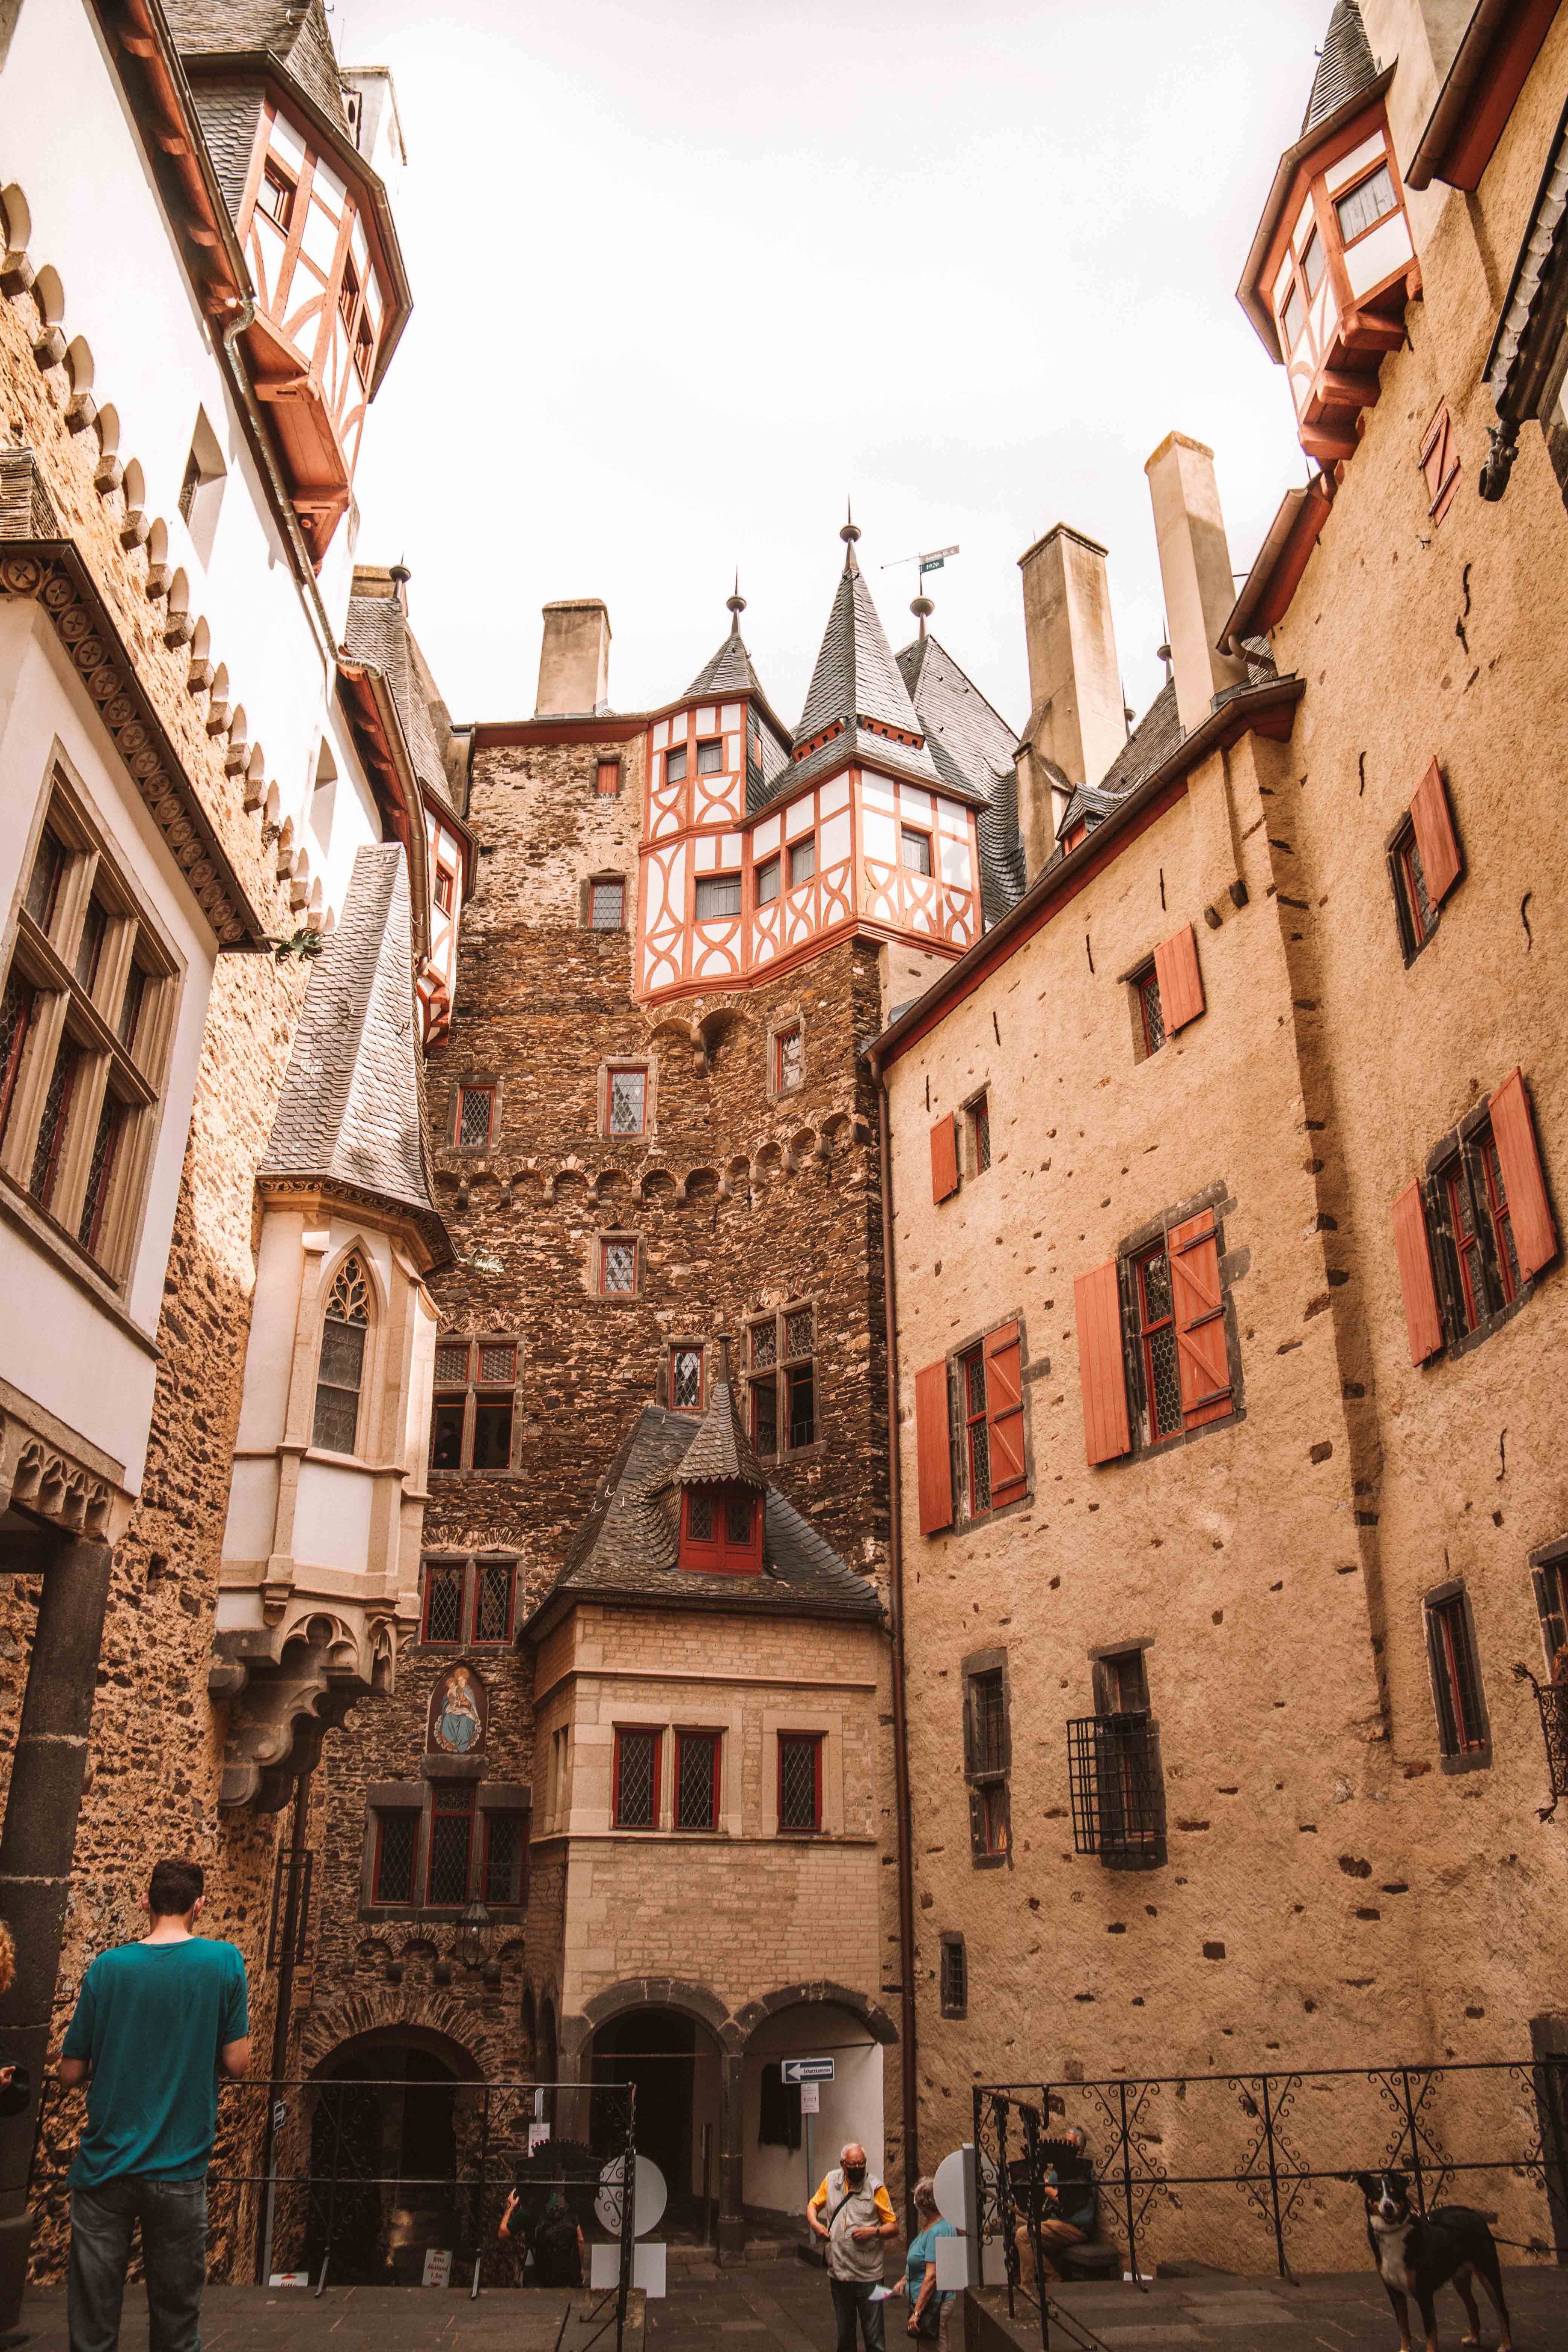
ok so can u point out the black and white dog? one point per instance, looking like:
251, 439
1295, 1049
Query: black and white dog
1416, 2256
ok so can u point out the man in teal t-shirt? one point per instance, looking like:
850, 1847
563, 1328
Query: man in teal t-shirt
156, 2024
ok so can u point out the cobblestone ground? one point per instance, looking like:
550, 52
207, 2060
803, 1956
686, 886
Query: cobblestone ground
785, 2303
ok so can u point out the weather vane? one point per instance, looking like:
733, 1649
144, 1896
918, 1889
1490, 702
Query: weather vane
931, 561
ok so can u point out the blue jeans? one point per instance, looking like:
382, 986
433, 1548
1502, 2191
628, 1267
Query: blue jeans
173, 2217
851, 2300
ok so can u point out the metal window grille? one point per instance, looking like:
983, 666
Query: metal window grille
1152, 1012
797, 1781
990, 1722
628, 1096
802, 1406
764, 1345
636, 1793
699, 1771
699, 1518
443, 1603
51, 1129
718, 895
979, 1120
451, 1366
620, 1265
710, 759
503, 1858
396, 1834
99, 1168
1162, 1370
15, 1016
607, 902
791, 1061
686, 1379
498, 1366
802, 862
798, 1333
475, 1104
738, 1519
492, 1607
451, 1844
1118, 1799
954, 1976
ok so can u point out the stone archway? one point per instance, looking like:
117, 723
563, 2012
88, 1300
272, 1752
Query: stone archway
784, 2155
676, 2012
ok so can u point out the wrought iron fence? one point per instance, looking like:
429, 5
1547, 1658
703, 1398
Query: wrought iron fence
370, 2177
1251, 2170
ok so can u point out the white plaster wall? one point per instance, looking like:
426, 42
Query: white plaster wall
57, 1345
274, 1313
851, 2103
331, 1516
252, 1516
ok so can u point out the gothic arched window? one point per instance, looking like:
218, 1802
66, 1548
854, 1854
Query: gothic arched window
341, 1367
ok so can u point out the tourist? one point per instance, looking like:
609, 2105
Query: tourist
1070, 2208
555, 2242
851, 2215
156, 2024
928, 2305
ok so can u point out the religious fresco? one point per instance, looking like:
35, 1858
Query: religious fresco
458, 1706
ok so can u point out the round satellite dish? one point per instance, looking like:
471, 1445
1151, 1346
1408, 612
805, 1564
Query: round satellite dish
948, 2183
649, 2196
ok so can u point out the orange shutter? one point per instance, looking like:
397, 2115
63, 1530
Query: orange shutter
1180, 985
1201, 1357
1513, 1131
1434, 839
1005, 1411
933, 1449
944, 1159
1098, 1303
1415, 1254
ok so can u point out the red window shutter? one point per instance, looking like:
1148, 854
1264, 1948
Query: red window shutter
1098, 1301
1415, 1254
1201, 1356
933, 1449
944, 1157
1181, 985
1005, 1411
1434, 837
1514, 1130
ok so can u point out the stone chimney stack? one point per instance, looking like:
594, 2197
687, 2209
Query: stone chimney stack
1076, 725
575, 659
1194, 567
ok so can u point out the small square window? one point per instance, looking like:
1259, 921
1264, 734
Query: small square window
802, 862
798, 1331
626, 1102
607, 779
710, 759
498, 1363
765, 1344
768, 882
686, 1379
275, 197
451, 1363
718, 896
675, 765
475, 1117
789, 1060
617, 1268
606, 906
914, 850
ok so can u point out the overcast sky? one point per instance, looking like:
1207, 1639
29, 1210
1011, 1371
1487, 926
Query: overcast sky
688, 272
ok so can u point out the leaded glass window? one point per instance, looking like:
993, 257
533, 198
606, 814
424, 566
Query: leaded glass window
619, 1266
696, 1798
686, 1379
493, 1601
451, 1843
637, 1779
342, 1366
628, 1102
799, 1780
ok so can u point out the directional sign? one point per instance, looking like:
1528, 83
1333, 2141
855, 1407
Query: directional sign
807, 2070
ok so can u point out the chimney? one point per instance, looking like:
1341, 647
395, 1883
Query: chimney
1194, 568
575, 659
1075, 721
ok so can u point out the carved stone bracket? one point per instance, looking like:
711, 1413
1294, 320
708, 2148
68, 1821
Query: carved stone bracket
40, 1476
285, 1693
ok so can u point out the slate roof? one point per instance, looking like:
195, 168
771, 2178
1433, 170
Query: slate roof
294, 31
627, 1550
856, 678
1345, 66
731, 671
377, 632
973, 748
351, 1114
721, 1450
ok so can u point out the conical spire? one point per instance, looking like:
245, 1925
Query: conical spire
856, 677
730, 671
1345, 65
720, 1453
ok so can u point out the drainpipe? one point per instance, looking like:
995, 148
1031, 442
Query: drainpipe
901, 1731
260, 442
276, 2105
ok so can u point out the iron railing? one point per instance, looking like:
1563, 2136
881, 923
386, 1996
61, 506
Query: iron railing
1239, 2169
330, 2208
1552, 1700
1118, 1788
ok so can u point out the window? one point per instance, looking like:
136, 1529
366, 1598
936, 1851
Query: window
474, 1599
675, 765
475, 1384
914, 850
446, 889
85, 1015
1456, 1677
789, 1059
202, 486
718, 895
348, 295
451, 1844
800, 1780
607, 779
392, 1871
780, 1370
606, 906
800, 1375
1121, 1683
1440, 464
697, 1780
473, 1117
442, 1619
1424, 861
1312, 262
1157, 1342
617, 1268
1113, 1763
626, 1102
275, 197
1418, 917
722, 1530
634, 1791
710, 759
987, 1756
768, 882
971, 1372
954, 1977
188, 486
1469, 1237
1146, 989
802, 862
1074, 835
506, 1858
1370, 200
493, 1584
1293, 317
1155, 1325
991, 1407
342, 1366
686, 1379
979, 1120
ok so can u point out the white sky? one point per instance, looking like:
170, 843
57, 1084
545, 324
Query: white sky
685, 273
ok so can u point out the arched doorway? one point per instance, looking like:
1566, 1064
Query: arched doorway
389, 2127
773, 2134
674, 2063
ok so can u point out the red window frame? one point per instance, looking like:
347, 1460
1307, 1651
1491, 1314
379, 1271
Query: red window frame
1486, 1152
1420, 915
1461, 1723
1384, 162
637, 1731
719, 1553
687, 1349
277, 176
451, 1801
797, 1740
1465, 1234
1149, 1326
626, 1070
505, 1814
1074, 835
714, 1741
977, 1428
460, 1096
378, 1893
1151, 1012
482, 1568
443, 1571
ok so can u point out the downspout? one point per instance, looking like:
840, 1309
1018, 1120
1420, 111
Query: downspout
305, 570
277, 2107
901, 1733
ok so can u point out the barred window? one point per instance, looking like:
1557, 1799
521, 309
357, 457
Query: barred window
505, 1857
800, 1780
636, 1779
977, 1431
954, 1977
473, 1117
342, 1366
607, 779
475, 1405
451, 1844
697, 1780
473, 1600
392, 1872
987, 1756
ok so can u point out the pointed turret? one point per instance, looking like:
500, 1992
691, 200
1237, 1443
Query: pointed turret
720, 1453
1346, 66
857, 703
730, 671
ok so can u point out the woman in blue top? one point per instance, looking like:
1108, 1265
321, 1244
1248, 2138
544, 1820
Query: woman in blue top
927, 2307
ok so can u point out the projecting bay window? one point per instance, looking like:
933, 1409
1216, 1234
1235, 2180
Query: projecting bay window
1472, 1235
914, 850
780, 1381
800, 1782
634, 1773
987, 1757
341, 1367
86, 1012
801, 861
1463, 1737
697, 1789
1157, 1355
472, 1424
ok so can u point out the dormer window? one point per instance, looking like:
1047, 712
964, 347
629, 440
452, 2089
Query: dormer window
722, 1530
275, 197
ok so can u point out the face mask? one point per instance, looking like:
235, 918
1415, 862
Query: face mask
854, 2174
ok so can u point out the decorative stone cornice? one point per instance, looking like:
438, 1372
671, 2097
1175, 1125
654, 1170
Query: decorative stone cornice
40, 1475
287, 1686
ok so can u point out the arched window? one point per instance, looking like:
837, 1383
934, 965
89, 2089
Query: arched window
341, 1367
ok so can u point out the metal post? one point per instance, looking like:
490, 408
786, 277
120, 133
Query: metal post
276, 2110
332, 2191
810, 2166
707, 2184
1036, 2216
1127, 2189
480, 2218
1004, 2198
1414, 2143
629, 2201
1274, 2180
